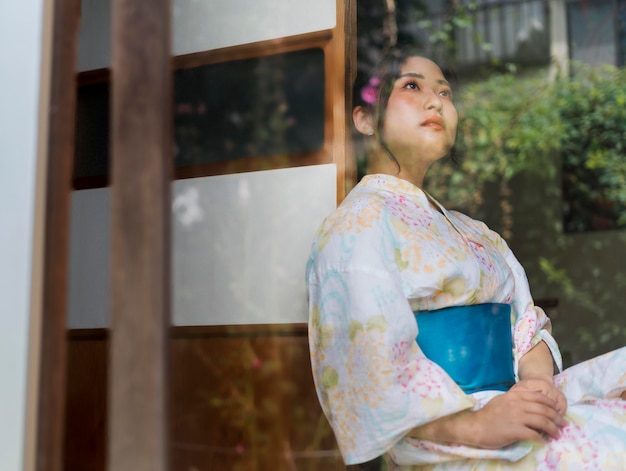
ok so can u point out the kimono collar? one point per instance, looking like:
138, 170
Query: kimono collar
399, 186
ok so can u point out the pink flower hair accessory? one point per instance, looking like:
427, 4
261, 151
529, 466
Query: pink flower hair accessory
369, 93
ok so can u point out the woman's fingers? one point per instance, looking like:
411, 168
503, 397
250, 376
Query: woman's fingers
541, 412
520, 414
562, 402
543, 419
547, 388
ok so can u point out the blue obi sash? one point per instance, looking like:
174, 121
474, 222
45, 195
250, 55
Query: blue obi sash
473, 344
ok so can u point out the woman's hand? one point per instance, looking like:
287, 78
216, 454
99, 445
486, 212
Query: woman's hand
536, 374
530, 410
519, 414
544, 386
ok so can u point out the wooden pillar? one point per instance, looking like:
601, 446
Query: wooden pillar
346, 18
52, 359
141, 145
340, 73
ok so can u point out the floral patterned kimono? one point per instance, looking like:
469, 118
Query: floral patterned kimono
387, 252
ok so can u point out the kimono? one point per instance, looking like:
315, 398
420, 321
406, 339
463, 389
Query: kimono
389, 250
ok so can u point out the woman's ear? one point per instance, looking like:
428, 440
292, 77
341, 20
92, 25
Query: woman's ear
362, 121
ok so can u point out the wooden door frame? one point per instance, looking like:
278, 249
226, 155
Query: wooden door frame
51, 388
139, 32
50, 395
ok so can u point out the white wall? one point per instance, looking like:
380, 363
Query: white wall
21, 26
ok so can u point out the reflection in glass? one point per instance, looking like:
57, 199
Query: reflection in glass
255, 107
92, 131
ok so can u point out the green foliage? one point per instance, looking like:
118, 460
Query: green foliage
593, 147
507, 125
443, 32
512, 124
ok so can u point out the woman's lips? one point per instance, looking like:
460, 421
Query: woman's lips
434, 123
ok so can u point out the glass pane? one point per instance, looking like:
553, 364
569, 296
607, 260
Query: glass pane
232, 231
241, 392
255, 107
244, 399
240, 243
92, 131
591, 29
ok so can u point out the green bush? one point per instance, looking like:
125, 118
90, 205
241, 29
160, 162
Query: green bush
512, 124
592, 148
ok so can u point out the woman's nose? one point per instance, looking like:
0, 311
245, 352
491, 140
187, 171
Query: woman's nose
433, 101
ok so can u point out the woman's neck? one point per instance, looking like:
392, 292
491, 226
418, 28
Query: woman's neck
414, 175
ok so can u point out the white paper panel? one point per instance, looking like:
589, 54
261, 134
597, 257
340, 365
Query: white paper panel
240, 244
202, 25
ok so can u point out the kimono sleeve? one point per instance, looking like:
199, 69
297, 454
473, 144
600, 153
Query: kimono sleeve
372, 380
532, 325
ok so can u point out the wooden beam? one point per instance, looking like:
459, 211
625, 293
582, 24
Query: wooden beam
52, 363
141, 144
340, 69
350, 44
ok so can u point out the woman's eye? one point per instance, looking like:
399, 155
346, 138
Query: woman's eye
446, 93
412, 86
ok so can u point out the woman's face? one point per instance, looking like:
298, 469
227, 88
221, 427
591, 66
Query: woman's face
420, 119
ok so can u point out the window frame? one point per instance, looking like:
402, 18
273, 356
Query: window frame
338, 77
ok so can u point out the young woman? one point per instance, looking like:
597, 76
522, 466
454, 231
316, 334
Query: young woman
426, 346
